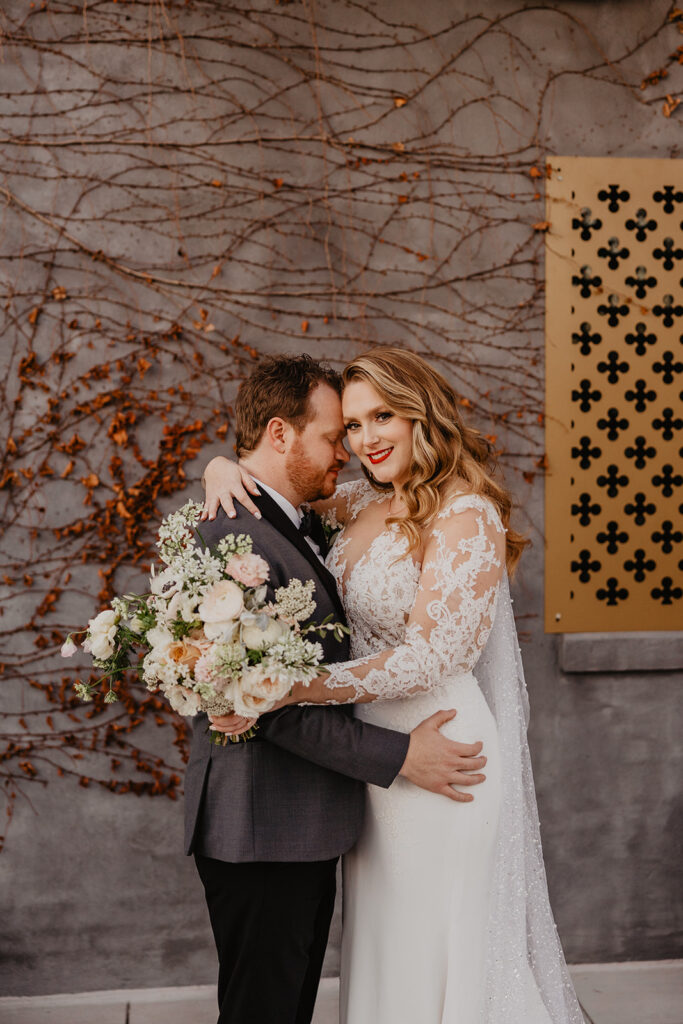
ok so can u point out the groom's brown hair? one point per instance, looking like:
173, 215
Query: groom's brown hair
279, 386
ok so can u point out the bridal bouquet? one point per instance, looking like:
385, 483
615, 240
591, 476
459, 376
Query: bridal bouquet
205, 635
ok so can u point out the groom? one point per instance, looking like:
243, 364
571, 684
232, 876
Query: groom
267, 819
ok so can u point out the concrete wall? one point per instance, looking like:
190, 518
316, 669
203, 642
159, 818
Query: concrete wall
265, 169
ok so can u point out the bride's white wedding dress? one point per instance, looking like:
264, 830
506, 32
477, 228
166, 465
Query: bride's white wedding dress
446, 914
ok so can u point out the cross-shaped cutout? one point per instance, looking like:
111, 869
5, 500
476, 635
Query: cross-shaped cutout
613, 196
667, 367
666, 592
612, 536
586, 508
667, 480
640, 508
585, 565
612, 593
667, 536
613, 310
667, 196
613, 423
641, 282
668, 253
586, 224
585, 339
612, 479
640, 394
640, 451
641, 339
585, 395
639, 565
641, 225
613, 253
585, 452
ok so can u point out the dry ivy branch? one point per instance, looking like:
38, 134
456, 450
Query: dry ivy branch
186, 184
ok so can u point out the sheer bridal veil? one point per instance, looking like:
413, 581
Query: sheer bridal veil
523, 944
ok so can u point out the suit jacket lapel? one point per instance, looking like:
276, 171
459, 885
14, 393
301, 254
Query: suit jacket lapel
274, 514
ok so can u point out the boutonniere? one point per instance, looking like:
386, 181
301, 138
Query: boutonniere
330, 527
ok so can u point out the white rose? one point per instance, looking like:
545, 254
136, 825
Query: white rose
104, 621
100, 646
161, 639
102, 632
223, 631
136, 624
184, 701
183, 604
221, 602
256, 638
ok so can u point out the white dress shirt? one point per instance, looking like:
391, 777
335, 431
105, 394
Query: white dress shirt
292, 513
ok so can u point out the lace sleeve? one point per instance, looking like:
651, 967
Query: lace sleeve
453, 612
346, 502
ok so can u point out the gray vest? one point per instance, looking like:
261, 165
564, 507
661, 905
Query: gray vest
296, 792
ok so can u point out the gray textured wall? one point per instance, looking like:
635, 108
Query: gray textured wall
118, 141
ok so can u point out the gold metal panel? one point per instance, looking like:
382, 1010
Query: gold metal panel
614, 417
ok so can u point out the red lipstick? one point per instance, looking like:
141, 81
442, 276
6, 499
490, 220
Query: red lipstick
376, 457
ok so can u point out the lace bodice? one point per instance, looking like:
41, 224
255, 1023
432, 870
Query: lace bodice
413, 625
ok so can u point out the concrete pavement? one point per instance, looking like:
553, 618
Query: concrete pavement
634, 993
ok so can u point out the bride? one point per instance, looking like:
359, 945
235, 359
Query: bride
446, 912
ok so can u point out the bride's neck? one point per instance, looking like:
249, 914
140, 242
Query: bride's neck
397, 502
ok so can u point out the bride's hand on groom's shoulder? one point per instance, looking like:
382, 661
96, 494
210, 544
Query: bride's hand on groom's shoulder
438, 764
225, 482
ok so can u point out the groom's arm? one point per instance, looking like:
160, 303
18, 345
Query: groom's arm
332, 738
370, 753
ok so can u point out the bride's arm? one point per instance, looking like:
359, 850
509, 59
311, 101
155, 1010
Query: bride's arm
449, 623
225, 482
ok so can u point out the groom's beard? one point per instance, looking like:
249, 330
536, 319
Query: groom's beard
309, 480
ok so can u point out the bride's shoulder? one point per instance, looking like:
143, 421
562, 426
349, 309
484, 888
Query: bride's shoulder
350, 498
458, 500
357, 495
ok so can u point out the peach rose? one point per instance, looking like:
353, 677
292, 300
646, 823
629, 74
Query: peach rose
256, 683
251, 570
184, 652
249, 706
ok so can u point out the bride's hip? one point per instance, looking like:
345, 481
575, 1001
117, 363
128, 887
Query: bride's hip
405, 713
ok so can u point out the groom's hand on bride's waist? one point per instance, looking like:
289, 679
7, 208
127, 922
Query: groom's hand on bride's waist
436, 763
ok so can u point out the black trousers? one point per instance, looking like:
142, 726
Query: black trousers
270, 922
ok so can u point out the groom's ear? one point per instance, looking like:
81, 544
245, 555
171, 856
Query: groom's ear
278, 434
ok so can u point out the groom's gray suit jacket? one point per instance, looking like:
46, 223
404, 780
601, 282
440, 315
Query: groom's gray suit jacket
296, 791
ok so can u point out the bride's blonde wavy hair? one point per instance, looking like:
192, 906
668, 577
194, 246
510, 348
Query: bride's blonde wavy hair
443, 446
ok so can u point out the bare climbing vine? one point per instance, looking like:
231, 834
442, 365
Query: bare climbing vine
188, 184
